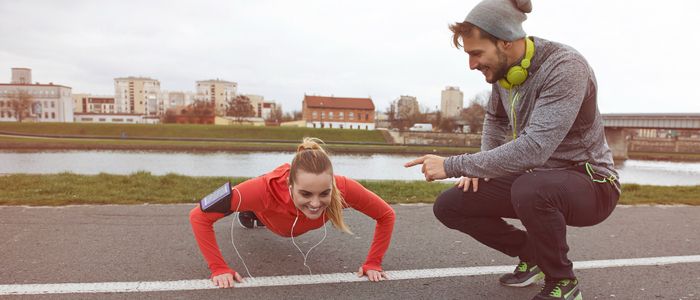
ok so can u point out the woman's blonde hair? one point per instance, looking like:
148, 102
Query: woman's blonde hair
311, 158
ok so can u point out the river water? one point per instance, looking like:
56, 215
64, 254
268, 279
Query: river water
357, 166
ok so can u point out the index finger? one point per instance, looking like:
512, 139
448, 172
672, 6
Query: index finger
414, 162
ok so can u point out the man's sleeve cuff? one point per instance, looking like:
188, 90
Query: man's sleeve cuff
450, 166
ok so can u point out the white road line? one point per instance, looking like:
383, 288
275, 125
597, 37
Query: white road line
183, 285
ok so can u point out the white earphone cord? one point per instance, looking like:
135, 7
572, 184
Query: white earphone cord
235, 217
325, 232
305, 256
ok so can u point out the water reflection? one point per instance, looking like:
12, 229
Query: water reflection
358, 166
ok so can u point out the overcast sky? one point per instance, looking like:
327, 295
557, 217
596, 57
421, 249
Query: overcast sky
644, 53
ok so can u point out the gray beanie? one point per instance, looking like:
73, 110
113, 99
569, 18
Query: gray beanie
501, 18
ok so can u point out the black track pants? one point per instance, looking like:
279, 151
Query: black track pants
544, 201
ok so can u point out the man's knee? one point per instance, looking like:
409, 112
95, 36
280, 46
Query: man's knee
445, 209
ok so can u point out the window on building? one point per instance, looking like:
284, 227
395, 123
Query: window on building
330, 115
340, 115
86, 119
53, 115
2, 103
323, 115
46, 115
53, 104
366, 116
102, 120
2, 114
314, 115
351, 115
129, 120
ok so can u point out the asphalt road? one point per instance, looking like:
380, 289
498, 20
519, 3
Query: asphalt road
84, 244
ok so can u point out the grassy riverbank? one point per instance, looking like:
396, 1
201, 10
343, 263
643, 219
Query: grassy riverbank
43, 144
186, 131
142, 187
210, 138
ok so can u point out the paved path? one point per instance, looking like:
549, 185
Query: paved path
150, 247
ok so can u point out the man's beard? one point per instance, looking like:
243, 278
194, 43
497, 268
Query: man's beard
501, 67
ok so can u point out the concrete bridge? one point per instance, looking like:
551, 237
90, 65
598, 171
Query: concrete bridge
617, 126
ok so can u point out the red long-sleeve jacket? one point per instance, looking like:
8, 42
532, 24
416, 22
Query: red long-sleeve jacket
268, 196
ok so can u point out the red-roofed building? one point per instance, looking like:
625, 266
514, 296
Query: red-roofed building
336, 112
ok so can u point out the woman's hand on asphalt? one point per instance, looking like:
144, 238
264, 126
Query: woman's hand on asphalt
373, 275
226, 280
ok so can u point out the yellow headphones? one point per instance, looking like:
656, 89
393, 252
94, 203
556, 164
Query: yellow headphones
517, 74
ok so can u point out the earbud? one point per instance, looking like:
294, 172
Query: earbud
517, 74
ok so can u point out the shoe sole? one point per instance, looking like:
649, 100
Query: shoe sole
528, 282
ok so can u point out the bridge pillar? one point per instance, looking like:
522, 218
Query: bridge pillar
617, 141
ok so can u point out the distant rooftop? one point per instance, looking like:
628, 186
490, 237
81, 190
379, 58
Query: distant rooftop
216, 81
135, 78
34, 84
338, 102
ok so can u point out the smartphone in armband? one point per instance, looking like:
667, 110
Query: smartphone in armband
218, 201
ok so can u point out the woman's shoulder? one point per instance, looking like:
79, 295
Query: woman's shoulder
349, 187
341, 182
281, 171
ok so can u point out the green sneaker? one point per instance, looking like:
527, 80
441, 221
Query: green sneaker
525, 274
566, 289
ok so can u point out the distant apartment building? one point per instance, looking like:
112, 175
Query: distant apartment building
336, 112
86, 103
405, 107
452, 102
263, 109
50, 102
174, 99
219, 92
137, 95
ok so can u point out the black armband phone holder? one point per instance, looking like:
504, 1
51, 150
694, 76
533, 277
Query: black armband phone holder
218, 201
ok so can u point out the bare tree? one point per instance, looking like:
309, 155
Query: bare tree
405, 112
20, 104
201, 108
240, 108
474, 116
276, 115
391, 111
293, 116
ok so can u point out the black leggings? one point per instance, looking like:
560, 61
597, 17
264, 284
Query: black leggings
544, 201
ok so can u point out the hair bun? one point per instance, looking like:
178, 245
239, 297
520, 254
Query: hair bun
310, 143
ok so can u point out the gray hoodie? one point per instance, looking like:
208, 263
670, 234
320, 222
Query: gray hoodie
558, 124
